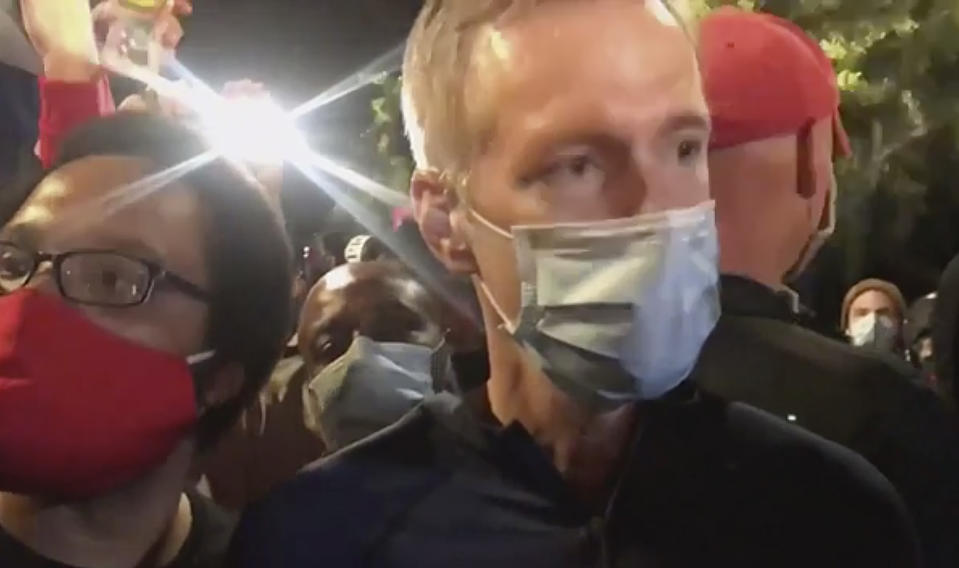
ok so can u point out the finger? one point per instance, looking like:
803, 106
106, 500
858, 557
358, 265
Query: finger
104, 11
169, 31
134, 103
244, 88
183, 7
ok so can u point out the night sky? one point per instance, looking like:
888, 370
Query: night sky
298, 48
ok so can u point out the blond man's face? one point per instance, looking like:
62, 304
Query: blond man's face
587, 111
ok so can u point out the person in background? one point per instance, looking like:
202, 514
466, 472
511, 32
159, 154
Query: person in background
561, 164
368, 339
917, 336
774, 102
945, 333
134, 332
365, 248
19, 109
319, 258
371, 337
873, 315
73, 87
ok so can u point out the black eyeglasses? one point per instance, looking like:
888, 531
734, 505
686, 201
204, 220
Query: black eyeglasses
92, 277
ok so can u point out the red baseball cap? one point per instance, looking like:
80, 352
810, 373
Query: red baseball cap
765, 77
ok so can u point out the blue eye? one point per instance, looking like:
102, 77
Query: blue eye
579, 173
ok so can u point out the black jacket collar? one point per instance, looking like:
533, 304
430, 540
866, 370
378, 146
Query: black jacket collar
740, 296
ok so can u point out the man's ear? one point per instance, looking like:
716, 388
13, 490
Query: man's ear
223, 386
441, 222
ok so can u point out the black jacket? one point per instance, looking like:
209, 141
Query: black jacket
864, 401
706, 484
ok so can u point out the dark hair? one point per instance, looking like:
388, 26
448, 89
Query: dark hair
247, 251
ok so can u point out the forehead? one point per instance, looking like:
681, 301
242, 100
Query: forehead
872, 299
69, 209
617, 60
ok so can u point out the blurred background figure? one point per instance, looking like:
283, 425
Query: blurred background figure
917, 336
365, 248
873, 313
371, 338
19, 99
945, 333
369, 345
772, 160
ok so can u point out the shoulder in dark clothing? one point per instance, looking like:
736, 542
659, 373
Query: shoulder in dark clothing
863, 401
708, 483
331, 512
205, 546
209, 537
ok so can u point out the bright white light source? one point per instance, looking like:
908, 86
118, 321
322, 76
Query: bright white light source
791, 417
254, 130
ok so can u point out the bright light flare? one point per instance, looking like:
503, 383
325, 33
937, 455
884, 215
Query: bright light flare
255, 130
369, 73
351, 177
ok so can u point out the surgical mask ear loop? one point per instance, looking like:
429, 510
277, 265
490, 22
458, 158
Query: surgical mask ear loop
199, 364
507, 324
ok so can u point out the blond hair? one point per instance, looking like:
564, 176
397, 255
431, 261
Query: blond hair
438, 56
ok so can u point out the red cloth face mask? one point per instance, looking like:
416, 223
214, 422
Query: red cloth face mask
82, 411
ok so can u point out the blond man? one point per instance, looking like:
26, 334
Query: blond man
561, 154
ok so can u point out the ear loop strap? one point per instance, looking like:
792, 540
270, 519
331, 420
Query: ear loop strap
200, 365
490, 225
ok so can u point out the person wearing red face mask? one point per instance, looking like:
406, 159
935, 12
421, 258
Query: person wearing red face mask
134, 327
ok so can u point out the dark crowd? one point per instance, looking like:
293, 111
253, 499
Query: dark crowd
576, 347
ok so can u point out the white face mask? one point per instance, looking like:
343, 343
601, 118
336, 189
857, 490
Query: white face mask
827, 227
368, 388
616, 311
875, 331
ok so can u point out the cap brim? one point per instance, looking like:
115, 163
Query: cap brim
841, 147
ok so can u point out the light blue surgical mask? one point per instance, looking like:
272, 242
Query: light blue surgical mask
368, 388
615, 311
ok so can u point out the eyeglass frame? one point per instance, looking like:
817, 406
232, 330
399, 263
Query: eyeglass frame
155, 272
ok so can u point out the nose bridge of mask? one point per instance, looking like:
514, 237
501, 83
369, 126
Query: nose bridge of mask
864, 324
613, 262
599, 262
369, 387
383, 366
651, 263
873, 329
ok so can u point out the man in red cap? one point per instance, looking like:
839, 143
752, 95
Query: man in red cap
774, 104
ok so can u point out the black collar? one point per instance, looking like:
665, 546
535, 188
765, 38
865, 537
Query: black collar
740, 296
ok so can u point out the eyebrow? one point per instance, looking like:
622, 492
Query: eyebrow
21, 234
28, 236
685, 121
132, 246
